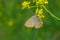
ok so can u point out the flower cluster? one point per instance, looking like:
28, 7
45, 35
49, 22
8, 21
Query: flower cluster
38, 2
39, 12
25, 4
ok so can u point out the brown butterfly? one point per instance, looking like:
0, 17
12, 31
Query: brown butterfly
34, 21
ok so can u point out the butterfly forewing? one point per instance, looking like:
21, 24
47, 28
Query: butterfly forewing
30, 22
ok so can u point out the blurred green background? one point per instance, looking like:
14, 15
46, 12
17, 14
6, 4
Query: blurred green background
12, 19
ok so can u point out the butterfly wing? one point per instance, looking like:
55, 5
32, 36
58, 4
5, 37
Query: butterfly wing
30, 22
38, 22
38, 25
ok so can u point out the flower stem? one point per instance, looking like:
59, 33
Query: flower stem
50, 13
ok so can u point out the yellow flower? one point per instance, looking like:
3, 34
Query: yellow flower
41, 16
34, 0
37, 10
46, 2
38, 2
25, 4
39, 13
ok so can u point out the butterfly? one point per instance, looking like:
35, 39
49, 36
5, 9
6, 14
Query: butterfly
34, 21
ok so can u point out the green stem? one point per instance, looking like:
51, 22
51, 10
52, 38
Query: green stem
50, 13
35, 6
